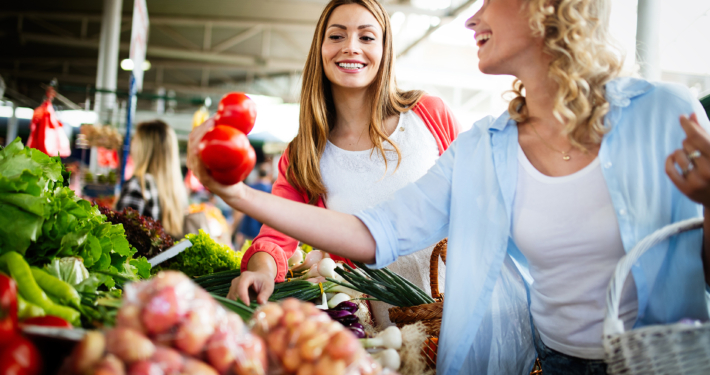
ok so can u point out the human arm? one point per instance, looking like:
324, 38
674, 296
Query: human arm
694, 178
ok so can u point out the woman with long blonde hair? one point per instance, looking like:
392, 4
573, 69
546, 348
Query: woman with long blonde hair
360, 138
582, 166
156, 189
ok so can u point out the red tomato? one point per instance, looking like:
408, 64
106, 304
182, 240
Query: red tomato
20, 357
47, 321
227, 154
8, 309
238, 111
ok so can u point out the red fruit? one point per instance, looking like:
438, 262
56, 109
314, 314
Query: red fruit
238, 111
48, 321
163, 311
169, 360
220, 351
129, 316
145, 368
110, 365
20, 357
227, 154
87, 353
194, 331
8, 309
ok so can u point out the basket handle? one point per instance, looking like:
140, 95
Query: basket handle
439, 250
612, 324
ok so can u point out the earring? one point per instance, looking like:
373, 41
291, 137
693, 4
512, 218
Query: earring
549, 10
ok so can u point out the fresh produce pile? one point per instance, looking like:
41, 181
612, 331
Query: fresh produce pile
145, 234
225, 149
303, 340
167, 325
205, 257
77, 258
382, 284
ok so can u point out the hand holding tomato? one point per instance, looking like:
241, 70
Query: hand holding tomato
198, 168
227, 154
238, 111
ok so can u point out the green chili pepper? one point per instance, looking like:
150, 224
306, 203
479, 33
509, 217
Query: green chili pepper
28, 310
26, 284
65, 293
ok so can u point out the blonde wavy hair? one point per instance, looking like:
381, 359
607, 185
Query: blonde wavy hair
154, 150
317, 115
576, 35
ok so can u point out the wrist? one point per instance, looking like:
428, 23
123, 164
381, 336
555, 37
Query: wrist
264, 263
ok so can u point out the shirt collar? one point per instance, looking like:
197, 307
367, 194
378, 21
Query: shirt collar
619, 93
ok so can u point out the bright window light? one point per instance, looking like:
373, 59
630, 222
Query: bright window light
397, 20
127, 64
5, 111
431, 4
24, 113
76, 118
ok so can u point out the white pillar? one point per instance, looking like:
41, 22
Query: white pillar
648, 36
107, 66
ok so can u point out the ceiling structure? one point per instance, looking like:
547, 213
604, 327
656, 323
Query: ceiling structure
196, 48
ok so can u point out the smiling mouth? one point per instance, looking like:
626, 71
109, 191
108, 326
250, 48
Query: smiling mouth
351, 66
482, 39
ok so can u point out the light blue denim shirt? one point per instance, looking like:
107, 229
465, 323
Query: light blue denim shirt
468, 197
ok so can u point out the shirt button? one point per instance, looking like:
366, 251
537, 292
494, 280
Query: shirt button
622, 212
607, 165
401, 129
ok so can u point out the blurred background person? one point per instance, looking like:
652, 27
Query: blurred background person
156, 189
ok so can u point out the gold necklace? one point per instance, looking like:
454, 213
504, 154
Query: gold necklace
565, 155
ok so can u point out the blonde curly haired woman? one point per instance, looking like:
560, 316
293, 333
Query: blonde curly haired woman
582, 166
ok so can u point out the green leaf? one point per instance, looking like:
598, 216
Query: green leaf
18, 228
27, 202
103, 263
121, 245
142, 266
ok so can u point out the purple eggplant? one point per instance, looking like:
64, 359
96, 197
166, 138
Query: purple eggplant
346, 306
359, 333
338, 314
348, 320
356, 325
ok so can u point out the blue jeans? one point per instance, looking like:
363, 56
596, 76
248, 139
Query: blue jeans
556, 363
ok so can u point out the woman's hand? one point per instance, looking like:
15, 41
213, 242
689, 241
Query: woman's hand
252, 283
194, 163
694, 162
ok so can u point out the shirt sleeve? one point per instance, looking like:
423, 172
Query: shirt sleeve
271, 241
417, 217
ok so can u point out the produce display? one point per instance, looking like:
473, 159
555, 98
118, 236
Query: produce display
144, 233
168, 325
17, 354
303, 340
206, 256
225, 149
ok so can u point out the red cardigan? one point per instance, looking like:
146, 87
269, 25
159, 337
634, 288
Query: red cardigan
440, 122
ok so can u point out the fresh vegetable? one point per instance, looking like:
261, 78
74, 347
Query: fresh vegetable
20, 357
87, 353
296, 259
227, 154
236, 110
388, 358
205, 257
352, 307
20, 271
382, 284
65, 293
338, 299
129, 345
70, 270
27, 310
390, 338
145, 234
326, 268
8, 309
312, 258
47, 321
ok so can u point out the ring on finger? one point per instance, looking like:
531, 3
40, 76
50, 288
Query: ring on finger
694, 155
686, 171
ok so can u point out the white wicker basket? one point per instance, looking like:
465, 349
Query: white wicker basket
677, 348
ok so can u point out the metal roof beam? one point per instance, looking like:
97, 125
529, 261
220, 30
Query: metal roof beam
233, 41
176, 36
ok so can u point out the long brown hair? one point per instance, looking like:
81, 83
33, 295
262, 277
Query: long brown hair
155, 152
576, 35
317, 116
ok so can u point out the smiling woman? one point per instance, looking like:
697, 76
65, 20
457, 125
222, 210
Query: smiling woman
360, 139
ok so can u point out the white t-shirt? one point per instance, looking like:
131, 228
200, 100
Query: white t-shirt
567, 229
356, 180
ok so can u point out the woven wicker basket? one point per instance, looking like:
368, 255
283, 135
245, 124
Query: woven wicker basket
429, 314
661, 349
